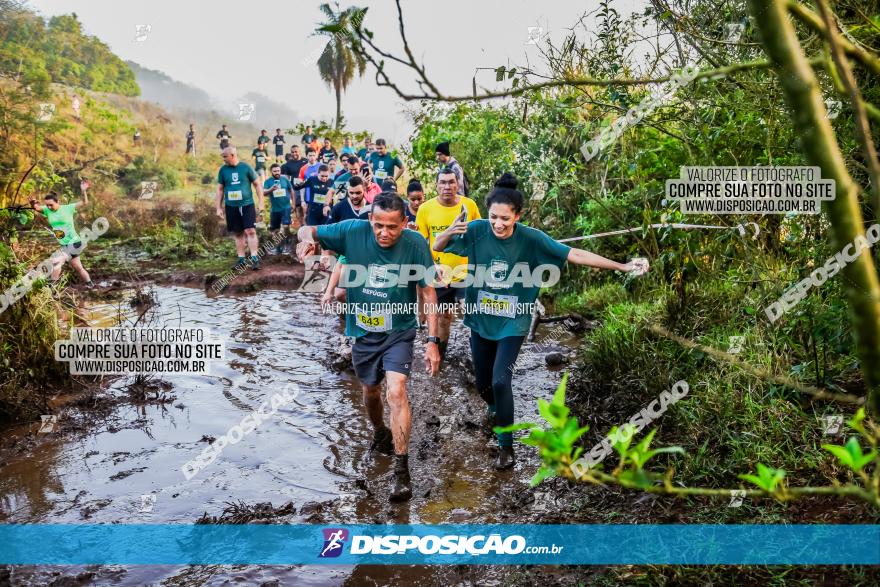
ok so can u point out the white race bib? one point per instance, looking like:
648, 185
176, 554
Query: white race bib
320, 198
381, 174
378, 321
261, 159
234, 196
497, 305
279, 193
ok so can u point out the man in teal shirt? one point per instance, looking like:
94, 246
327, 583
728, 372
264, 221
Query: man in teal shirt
383, 315
280, 192
236, 184
383, 164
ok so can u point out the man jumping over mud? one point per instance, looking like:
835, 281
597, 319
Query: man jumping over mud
382, 315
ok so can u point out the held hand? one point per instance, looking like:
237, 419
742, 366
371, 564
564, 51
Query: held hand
219, 212
326, 210
84, 185
325, 262
432, 359
637, 267
457, 228
32, 202
304, 249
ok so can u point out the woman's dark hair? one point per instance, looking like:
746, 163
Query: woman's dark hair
505, 192
414, 185
51, 196
389, 185
390, 202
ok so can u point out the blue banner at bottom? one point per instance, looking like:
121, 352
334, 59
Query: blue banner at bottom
69, 544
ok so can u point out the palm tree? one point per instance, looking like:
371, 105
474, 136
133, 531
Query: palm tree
339, 63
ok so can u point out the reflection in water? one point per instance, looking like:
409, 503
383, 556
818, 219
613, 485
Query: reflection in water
313, 449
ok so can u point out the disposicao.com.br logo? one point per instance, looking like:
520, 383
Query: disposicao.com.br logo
449, 544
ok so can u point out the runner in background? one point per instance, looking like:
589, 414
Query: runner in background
263, 139
60, 218
191, 140
415, 196
318, 194
280, 193
372, 190
383, 348
498, 309
328, 152
353, 207
223, 136
447, 160
260, 156
365, 151
434, 217
347, 148
278, 141
291, 170
311, 166
383, 164
308, 138
236, 184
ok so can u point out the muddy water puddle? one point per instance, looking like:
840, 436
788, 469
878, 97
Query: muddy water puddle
125, 466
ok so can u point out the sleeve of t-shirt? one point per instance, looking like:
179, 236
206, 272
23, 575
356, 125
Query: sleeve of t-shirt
460, 243
548, 250
252, 175
268, 183
220, 177
396, 163
422, 222
333, 236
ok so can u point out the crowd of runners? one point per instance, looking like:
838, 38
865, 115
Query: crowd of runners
351, 218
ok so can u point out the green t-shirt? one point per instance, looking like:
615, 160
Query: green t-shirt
61, 221
261, 139
278, 191
375, 270
236, 182
383, 165
260, 158
498, 301
362, 153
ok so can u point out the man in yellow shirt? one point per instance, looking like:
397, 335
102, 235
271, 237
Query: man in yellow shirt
432, 218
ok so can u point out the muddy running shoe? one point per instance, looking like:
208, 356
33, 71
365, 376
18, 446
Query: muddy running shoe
90, 284
400, 487
239, 265
255, 264
505, 458
382, 441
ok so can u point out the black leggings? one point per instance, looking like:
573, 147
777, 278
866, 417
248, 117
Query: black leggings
493, 370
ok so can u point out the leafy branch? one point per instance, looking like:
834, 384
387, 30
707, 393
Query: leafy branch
559, 456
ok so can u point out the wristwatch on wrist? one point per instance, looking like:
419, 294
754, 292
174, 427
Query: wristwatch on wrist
434, 339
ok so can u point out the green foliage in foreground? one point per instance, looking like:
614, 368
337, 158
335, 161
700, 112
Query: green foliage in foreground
556, 443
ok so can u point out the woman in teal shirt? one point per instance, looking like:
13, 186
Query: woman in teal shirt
510, 264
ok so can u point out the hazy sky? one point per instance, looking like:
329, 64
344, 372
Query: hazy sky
231, 47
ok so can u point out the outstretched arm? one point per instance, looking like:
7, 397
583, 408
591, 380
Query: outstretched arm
582, 257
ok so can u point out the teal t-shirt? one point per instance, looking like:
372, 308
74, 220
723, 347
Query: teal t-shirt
260, 158
383, 165
61, 221
383, 305
278, 191
498, 302
236, 182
